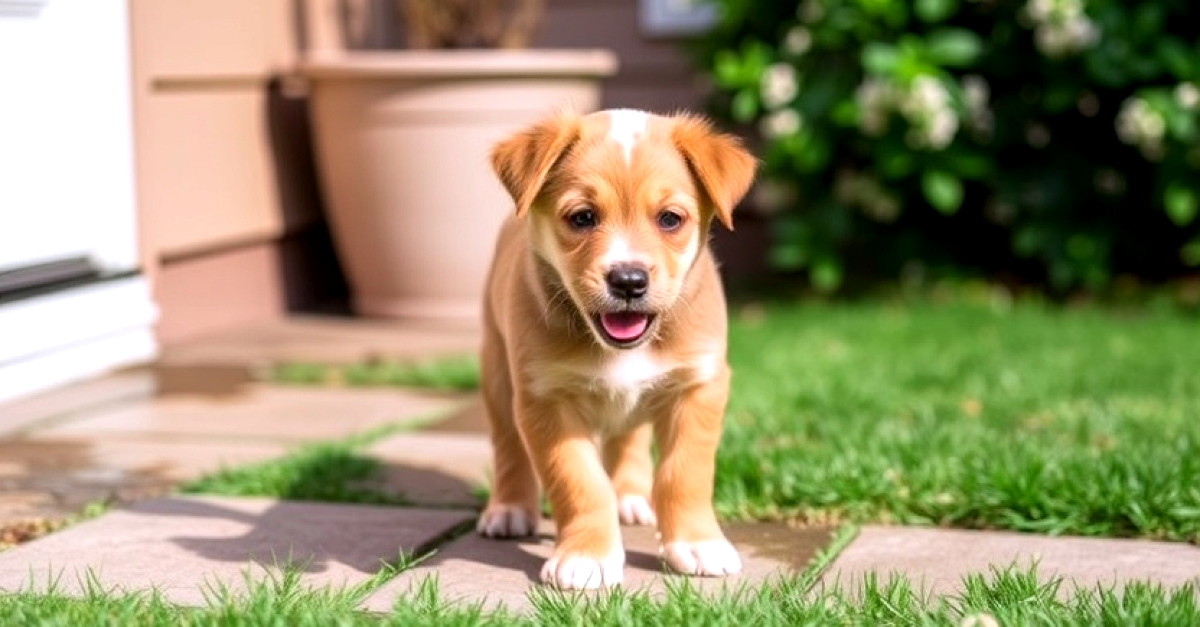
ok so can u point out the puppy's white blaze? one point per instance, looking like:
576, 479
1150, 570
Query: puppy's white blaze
626, 125
618, 251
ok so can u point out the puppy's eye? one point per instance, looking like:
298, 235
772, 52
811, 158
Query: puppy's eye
582, 219
669, 220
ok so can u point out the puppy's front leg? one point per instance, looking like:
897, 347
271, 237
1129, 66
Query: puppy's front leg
687, 434
588, 553
627, 459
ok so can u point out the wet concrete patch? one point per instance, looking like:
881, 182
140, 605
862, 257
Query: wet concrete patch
471, 419
211, 380
59, 478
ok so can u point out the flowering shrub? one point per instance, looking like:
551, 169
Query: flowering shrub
1046, 140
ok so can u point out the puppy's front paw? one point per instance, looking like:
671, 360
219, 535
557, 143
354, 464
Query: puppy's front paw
634, 509
503, 520
706, 558
573, 571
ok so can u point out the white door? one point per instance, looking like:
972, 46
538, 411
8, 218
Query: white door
67, 195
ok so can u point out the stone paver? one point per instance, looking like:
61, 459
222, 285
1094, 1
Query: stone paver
185, 546
434, 468
27, 413
938, 559
260, 412
326, 339
501, 572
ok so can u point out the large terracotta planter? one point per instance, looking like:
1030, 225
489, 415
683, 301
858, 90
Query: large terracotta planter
402, 140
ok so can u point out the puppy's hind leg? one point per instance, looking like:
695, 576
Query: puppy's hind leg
627, 460
512, 508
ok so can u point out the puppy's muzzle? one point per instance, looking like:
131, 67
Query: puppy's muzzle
627, 281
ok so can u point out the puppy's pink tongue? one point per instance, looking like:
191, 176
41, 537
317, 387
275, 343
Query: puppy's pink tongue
624, 326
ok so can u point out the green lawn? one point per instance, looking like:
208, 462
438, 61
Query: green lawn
1004, 597
1078, 421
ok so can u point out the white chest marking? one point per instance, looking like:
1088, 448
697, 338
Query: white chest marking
633, 369
627, 375
627, 124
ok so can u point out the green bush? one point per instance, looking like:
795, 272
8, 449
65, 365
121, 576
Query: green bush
1052, 141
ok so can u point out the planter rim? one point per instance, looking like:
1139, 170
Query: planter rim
595, 62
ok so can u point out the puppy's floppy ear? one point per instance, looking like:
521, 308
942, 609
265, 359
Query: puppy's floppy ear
523, 161
719, 162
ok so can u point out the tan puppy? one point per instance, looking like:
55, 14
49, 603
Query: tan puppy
604, 324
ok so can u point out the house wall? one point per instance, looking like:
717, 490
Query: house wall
225, 175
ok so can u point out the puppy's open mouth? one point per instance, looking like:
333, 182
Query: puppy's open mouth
624, 329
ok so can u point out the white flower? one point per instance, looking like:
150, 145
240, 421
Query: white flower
781, 123
874, 99
1140, 125
773, 195
810, 11
926, 106
1188, 96
853, 189
975, 91
1037, 135
778, 85
925, 97
940, 129
798, 40
1060, 26
1088, 104
979, 116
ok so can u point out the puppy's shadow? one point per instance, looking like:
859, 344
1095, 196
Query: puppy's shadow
527, 555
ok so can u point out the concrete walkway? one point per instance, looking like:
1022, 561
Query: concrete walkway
130, 437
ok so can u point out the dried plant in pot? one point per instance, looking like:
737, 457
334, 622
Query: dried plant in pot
402, 137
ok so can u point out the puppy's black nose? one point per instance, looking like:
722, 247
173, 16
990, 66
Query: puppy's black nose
627, 281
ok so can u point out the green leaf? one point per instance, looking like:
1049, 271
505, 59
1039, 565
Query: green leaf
953, 47
1174, 55
825, 274
727, 70
943, 190
968, 165
935, 10
880, 58
1181, 204
745, 105
788, 256
1190, 254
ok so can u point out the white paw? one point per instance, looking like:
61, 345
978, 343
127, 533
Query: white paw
502, 520
577, 572
707, 558
634, 509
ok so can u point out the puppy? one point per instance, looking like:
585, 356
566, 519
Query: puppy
604, 326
